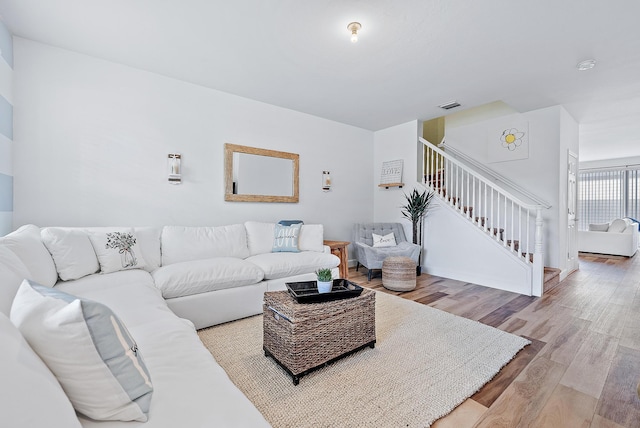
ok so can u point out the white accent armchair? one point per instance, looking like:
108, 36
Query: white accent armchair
372, 257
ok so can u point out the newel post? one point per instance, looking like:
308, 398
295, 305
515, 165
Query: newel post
537, 279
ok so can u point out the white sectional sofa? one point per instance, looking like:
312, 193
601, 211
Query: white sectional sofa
177, 279
619, 238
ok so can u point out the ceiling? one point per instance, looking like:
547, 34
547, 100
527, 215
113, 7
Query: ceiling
412, 55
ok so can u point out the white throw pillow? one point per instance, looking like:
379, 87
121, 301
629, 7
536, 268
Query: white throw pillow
148, 238
149, 241
72, 252
617, 226
30, 394
598, 227
117, 250
388, 240
259, 237
88, 349
311, 238
27, 244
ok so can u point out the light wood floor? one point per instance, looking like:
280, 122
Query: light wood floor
583, 365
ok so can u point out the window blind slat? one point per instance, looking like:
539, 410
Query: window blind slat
606, 195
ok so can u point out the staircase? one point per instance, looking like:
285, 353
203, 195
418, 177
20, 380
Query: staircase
476, 218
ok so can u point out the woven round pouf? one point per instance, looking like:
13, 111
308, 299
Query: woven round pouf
399, 273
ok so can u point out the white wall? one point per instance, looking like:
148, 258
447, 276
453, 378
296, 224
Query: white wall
6, 130
397, 142
92, 139
456, 248
552, 132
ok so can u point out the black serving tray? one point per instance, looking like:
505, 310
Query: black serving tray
307, 291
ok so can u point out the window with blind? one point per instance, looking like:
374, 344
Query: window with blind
605, 195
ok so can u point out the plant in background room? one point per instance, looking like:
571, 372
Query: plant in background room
415, 210
324, 280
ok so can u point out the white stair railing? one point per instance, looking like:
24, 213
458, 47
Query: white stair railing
511, 222
491, 173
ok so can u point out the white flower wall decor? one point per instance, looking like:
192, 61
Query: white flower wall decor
508, 142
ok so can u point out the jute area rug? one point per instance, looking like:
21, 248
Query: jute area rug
425, 363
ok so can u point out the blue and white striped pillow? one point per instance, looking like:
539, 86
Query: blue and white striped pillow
88, 349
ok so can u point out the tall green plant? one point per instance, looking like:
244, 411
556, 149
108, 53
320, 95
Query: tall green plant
415, 210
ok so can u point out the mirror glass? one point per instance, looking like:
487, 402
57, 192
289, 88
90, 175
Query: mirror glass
260, 175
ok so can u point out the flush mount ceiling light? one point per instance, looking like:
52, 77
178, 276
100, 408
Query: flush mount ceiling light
354, 27
587, 64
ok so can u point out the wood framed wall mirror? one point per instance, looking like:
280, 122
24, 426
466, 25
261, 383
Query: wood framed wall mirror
260, 175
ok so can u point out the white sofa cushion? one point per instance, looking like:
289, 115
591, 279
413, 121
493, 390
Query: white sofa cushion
136, 284
182, 244
200, 276
88, 349
149, 241
280, 265
12, 273
117, 250
72, 252
617, 226
259, 237
311, 238
27, 244
30, 394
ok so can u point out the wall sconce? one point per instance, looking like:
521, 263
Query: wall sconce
326, 181
354, 27
174, 164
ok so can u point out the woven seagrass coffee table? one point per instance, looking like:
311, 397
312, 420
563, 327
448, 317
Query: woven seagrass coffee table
302, 337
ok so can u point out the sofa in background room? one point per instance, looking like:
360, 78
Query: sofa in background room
619, 238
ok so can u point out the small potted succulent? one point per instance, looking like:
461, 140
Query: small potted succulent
325, 281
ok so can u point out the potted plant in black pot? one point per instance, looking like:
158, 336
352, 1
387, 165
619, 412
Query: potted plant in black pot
415, 210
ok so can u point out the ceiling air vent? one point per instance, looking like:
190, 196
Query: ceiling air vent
449, 106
